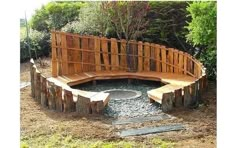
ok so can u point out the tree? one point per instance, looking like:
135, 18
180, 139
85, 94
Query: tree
202, 32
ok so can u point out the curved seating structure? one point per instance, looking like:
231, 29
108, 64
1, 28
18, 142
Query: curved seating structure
78, 59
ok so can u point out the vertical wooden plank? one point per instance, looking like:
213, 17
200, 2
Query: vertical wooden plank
187, 96
54, 59
123, 59
77, 55
185, 63
181, 61
83, 105
146, 56
69, 105
114, 55
193, 93
200, 89
70, 53
171, 60
140, 56
176, 58
132, 58
158, 59
163, 59
178, 98
91, 55
51, 95
59, 101
152, 56
59, 53
97, 53
64, 54
85, 54
105, 53
167, 102
44, 99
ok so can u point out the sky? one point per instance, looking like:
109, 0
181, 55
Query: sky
29, 6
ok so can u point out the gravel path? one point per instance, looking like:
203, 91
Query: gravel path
127, 107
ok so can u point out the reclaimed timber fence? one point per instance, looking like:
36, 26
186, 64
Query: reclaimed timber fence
73, 54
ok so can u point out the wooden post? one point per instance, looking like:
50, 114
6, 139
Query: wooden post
167, 102
176, 58
178, 98
59, 101
171, 60
77, 56
200, 89
114, 55
187, 96
163, 59
193, 94
91, 55
51, 95
54, 55
147, 56
100, 107
97, 53
185, 63
123, 59
69, 105
64, 54
158, 64
83, 105
140, 56
105, 53
181, 61
44, 99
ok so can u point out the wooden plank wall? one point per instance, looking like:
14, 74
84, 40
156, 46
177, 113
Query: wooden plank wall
74, 54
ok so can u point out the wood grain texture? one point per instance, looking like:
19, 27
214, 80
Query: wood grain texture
85, 54
123, 59
140, 56
158, 59
114, 55
69, 105
171, 60
105, 53
163, 59
97, 46
147, 56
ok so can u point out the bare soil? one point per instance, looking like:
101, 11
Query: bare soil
35, 120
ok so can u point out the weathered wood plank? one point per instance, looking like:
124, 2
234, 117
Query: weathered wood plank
105, 53
70, 54
200, 91
147, 56
176, 58
193, 94
69, 105
178, 98
181, 61
97, 53
64, 55
44, 99
140, 56
158, 59
77, 55
167, 101
187, 96
185, 63
114, 55
91, 55
152, 56
83, 105
85, 54
59, 101
54, 56
51, 95
163, 59
123, 59
132, 58
171, 60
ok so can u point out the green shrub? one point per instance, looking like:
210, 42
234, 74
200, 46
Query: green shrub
39, 43
202, 32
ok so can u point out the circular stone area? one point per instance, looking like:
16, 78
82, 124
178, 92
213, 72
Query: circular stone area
118, 94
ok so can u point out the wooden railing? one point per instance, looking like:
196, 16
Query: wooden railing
73, 53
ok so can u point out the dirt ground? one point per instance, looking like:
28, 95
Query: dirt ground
36, 121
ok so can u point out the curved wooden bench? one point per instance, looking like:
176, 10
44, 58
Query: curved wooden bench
78, 59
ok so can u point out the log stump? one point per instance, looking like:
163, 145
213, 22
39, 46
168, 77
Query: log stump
51, 96
44, 99
59, 101
69, 105
178, 98
187, 96
167, 101
83, 105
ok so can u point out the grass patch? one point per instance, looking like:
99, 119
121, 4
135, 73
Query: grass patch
58, 140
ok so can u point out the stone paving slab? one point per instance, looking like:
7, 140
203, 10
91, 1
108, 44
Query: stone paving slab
24, 84
151, 130
141, 119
